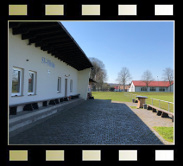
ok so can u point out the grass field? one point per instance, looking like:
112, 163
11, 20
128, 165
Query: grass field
114, 96
167, 96
127, 97
165, 132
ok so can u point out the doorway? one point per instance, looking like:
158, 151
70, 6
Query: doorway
65, 87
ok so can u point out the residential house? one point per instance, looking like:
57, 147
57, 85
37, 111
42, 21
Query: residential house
120, 88
154, 86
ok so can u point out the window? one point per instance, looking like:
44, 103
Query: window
71, 85
144, 89
17, 81
59, 85
31, 83
152, 89
162, 89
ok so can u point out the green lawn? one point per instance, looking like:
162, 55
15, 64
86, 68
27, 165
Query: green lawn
165, 132
167, 96
127, 97
114, 96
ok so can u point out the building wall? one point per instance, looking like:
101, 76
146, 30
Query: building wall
138, 89
83, 82
132, 88
171, 88
47, 76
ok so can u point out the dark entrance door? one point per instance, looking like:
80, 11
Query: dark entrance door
65, 87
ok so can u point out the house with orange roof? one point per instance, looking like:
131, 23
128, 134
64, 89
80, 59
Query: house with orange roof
121, 88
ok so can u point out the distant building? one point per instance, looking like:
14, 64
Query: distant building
154, 86
120, 88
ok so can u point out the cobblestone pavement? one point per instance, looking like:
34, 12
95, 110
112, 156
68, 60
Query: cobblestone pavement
92, 122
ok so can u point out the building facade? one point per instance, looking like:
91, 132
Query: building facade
121, 88
42, 64
154, 86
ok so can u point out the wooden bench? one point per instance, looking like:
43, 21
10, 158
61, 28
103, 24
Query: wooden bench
160, 112
33, 105
75, 96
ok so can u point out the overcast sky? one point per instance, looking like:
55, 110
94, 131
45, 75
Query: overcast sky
139, 46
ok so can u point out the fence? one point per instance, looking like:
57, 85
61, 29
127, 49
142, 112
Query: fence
166, 105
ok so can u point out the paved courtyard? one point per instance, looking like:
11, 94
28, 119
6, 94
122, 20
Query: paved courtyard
92, 122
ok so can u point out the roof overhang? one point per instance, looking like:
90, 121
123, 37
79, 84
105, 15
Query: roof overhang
53, 38
91, 80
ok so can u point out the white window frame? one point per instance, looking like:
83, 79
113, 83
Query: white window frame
59, 82
21, 75
34, 83
71, 85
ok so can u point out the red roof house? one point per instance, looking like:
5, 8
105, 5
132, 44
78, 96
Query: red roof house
137, 86
152, 83
120, 88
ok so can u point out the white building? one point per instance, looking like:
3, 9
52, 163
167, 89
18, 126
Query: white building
154, 86
45, 64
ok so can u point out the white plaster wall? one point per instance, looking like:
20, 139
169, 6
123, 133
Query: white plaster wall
83, 82
172, 87
138, 89
46, 86
132, 88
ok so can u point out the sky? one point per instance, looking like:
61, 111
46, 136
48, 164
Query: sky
139, 46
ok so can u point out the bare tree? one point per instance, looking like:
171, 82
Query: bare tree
123, 76
98, 73
168, 75
147, 77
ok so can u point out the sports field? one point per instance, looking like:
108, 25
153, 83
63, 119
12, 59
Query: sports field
128, 96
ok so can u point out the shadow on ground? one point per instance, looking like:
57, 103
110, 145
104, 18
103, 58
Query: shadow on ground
94, 122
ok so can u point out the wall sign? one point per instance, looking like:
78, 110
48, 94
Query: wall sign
48, 62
